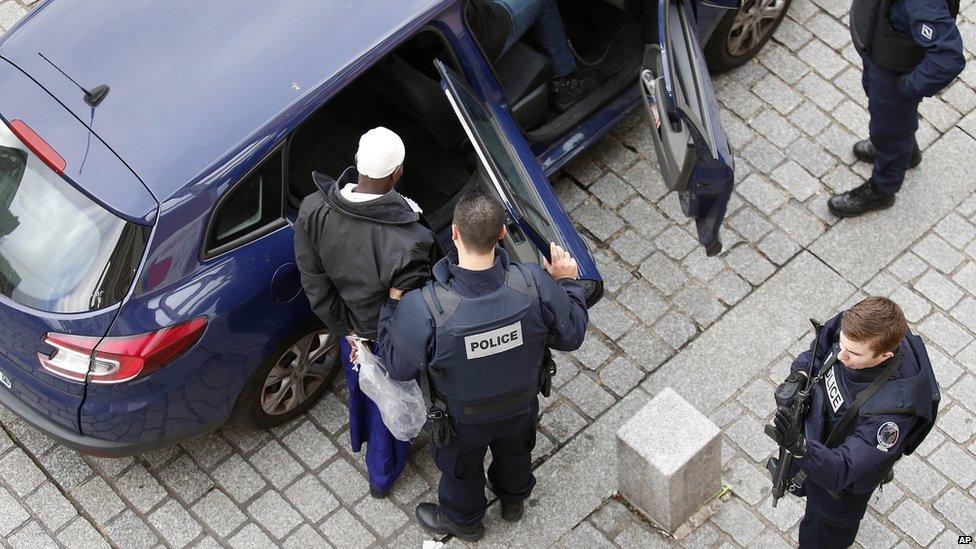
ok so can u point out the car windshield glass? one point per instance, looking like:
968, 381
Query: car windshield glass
59, 250
515, 182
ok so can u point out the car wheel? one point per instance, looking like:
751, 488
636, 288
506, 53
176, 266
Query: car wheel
742, 33
292, 380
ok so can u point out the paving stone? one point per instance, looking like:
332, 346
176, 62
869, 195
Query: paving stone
306, 538
648, 350
907, 267
775, 126
646, 179
311, 446
750, 265
80, 533
643, 301
99, 500
955, 463
644, 217
209, 450
593, 353
965, 312
330, 413
778, 94
966, 277
632, 247
778, 247
175, 524
823, 59
702, 267
730, 287
611, 517
739, 99
562, 422
276, 464
587, 395
750, 224
964, 391
885, 500
10, 14
956, 230
957, 423
705, 535
140, 488
738, 522
916, 522
663, 273
65, 466
614, 273
764, 156
747, 481
344, 530
382, 515
959, 508
675, 329
758, 398
584, 536
945, 333
610, 318
939, 289
919, 478
611, 190
344, 481
785, 515
275, 514
621, 376
913, 306
792, 177
250, 537
747, 434
312, 499
811, 156
219, 513
602, 223
12, 513
875, 534
128, 530
49, 505
238, 478
695, 300
20, 473
185, 479
809, 118
32, 536
639, 536
783, 63
938, 253
676, 242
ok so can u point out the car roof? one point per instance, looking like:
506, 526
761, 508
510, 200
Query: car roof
191, 82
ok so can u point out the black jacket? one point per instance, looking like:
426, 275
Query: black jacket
350, 254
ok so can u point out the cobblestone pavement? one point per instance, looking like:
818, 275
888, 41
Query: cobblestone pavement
721, 331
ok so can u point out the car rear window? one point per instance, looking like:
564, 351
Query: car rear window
59, 250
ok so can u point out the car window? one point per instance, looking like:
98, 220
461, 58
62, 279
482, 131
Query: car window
250, 208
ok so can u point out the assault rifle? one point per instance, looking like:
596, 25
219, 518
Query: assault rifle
780, 467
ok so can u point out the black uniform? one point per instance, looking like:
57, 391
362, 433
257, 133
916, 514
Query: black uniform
481, 336
843, 465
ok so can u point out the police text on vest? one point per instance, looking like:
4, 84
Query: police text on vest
833, 392
493, 342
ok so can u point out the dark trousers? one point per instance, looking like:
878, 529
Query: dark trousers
830, 523
462, 486
894, 120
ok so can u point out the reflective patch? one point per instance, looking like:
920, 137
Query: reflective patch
834, 396
927, 32
494, 342
887, 435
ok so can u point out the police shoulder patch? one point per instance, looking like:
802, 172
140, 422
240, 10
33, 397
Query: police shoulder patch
927, 32
887, 435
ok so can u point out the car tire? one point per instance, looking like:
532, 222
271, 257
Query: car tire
292, 380
741, 33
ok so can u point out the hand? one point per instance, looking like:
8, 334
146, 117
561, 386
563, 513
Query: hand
563, 265
396, 293
786, 433
353, 353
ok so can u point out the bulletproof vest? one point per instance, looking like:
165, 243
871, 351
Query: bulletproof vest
487, 350
874, 37
916, 395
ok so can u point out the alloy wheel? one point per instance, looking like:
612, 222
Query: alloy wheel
299, 372
755, 20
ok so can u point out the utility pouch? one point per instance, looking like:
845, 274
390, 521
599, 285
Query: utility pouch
440, 428
548, 372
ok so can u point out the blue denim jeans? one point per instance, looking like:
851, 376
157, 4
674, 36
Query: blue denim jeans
543, 19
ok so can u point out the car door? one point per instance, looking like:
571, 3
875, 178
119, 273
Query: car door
536, 217
692, 149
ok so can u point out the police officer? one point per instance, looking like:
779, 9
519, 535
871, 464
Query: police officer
910, 49
476, 337
873, 399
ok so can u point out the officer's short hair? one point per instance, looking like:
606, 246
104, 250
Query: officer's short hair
479, 219
877, 321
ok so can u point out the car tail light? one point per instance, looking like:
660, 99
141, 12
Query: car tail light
38, 146
118, 359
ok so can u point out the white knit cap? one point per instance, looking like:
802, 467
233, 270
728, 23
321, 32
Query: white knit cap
381, 152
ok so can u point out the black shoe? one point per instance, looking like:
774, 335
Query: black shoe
511, 512
568, 90
377, 493
429, 516
859, 200
864, 151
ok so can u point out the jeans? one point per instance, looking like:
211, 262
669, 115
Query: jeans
542, 17
894, 119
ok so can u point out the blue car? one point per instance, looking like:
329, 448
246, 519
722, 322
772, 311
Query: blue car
153, 156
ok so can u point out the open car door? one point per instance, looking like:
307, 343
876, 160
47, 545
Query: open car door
692, 148
535, 216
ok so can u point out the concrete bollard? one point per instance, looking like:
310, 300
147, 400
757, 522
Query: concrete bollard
669, 460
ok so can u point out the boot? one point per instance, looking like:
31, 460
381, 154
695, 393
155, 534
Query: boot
864, 151
512, 512
859, 200
429, 516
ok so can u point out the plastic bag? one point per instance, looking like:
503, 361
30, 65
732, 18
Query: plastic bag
401, 403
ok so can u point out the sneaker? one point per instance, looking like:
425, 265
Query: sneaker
570, 89
859, 200
864, 151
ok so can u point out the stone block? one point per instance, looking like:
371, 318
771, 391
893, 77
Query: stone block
669, 460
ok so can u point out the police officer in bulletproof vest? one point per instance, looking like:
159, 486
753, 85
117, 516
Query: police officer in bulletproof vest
873, 398
910, 49
477, 338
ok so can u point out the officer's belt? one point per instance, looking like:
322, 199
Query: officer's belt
501, 407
